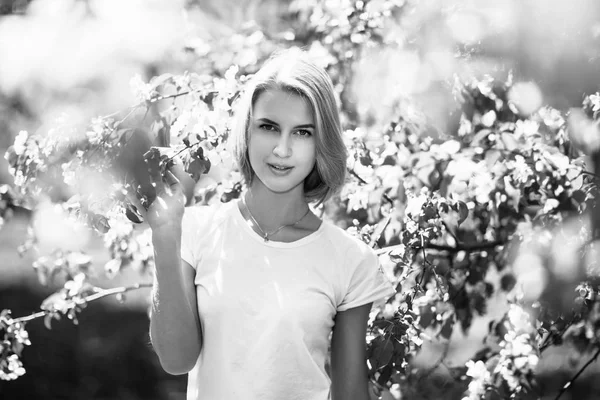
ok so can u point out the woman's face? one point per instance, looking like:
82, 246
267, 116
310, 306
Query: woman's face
281, 144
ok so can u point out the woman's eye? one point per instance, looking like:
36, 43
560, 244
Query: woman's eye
303, 132
267, 127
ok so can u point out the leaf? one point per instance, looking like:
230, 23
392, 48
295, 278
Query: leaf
198, 167
510, 143
161, 79
463, 212
132, 214
426, 316
578, 196
508, 282
385, 375
479, 136
379, 230
447, 326
382, 352
100, 223
491, 157
48, 321
11, 156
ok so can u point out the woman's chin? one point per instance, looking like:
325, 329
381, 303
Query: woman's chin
278, 187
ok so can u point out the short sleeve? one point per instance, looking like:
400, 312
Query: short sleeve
190, 228
367, 282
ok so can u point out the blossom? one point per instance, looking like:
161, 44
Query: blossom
69, 171
20, 144
14, 337
97, 131
521, 172
14, 368
526, 128
181, 123
142, 91
414, 205
481, 379
519, 354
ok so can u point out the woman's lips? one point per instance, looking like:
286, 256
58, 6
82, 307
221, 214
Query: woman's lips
279, 169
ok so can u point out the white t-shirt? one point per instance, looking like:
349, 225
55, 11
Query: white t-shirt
267, 308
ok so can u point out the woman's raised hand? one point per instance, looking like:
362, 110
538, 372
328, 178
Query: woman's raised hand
168, 206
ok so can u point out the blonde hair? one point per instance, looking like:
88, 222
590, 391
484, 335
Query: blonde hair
292, 71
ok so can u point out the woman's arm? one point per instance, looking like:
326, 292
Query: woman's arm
175, 329
348, 354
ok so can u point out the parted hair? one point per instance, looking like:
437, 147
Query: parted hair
292, 71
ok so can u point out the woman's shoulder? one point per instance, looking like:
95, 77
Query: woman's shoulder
207, 214
343, 239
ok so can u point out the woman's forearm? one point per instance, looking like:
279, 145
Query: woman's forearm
175, 329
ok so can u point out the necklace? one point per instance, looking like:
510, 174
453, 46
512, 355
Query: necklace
264, 234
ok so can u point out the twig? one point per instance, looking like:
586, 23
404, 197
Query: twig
171, 96
439, 362
374, 240
450, 232
95, 296
152, 100
451, 249
589, 173
361, 180
466, 247
572, 380
550, 339
425, 263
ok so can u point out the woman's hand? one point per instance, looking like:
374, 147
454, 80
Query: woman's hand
168, 206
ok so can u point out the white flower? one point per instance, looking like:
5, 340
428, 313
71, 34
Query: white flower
414, 205
74, 286
488, 118
141, 90
69, 174
521, 171
526, 128
481, 379
97, 130
411, 226
180, 123
519, 319
112, 267
477, 370
20, 144
15, 368
550, 205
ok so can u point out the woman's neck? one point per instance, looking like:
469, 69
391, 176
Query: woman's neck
271, 209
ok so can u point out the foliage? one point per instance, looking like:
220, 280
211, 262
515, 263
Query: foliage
456, 217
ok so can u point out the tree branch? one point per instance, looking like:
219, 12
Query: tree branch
577, 375
551, 338
361, 180
95, 296
451, 249
439, 362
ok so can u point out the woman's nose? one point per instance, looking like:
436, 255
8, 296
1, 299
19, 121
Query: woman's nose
282, 147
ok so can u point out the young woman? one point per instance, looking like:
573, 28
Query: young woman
247, 293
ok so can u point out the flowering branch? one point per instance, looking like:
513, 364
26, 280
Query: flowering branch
361, 180
98, 295
451, 249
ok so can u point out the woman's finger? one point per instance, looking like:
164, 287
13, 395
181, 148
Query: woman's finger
172, 181
175, 186
152, 159
135, 202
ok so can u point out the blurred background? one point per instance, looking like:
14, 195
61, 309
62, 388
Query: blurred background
74, 59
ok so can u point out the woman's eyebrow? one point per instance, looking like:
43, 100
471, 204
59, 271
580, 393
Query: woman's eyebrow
268, 121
